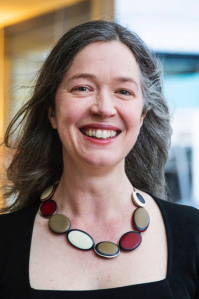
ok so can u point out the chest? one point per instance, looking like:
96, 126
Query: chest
56, 265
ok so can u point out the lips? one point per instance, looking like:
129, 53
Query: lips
100, 131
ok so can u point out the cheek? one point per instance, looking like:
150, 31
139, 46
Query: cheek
132, 118
69, 113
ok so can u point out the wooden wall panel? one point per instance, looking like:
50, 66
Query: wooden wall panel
1, 83
12, 11
102, 9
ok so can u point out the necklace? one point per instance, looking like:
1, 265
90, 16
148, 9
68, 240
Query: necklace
60, 224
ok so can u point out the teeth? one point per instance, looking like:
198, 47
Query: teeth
113, 133
100, 134
104, 134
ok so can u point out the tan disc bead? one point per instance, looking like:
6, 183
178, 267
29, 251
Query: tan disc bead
141, 219
107, 249
47, 193
59, 223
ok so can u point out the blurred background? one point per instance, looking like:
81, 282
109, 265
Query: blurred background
28, 31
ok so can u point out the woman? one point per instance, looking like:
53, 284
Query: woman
97, 127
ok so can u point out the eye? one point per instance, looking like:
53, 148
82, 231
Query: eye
81, 88
124, 92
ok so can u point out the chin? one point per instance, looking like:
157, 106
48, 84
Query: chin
102, 162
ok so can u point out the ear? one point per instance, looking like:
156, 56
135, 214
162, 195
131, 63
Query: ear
51, 117
142, 119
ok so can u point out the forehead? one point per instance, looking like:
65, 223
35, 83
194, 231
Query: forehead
110, 58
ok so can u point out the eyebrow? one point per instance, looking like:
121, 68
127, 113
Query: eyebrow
90, 76
127, 79
82, 75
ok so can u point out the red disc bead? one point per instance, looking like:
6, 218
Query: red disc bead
48, 208
129, 241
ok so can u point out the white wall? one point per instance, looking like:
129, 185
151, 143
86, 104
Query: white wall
165, 25
186, 134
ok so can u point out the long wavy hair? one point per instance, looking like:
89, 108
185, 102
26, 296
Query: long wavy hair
37, 160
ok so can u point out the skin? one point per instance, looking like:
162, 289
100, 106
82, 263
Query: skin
101, 98
103, 88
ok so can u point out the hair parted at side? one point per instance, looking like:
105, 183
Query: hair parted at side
37, 160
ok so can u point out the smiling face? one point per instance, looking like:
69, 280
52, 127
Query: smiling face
98, 105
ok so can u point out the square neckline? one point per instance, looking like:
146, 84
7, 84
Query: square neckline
120, 288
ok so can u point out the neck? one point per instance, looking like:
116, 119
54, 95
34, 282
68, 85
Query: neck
93, 193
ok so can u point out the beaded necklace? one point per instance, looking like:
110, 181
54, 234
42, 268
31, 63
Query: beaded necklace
60, 224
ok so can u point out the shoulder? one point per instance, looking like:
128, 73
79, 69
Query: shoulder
176, 217
12, 224
25, 212
182, 225
15, 234
175, 211
178, 213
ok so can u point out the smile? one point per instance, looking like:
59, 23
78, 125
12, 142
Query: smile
100, 134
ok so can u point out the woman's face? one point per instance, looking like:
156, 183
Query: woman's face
98, 105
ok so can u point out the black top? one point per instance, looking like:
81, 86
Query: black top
182, 229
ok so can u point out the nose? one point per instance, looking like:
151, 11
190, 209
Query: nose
103, 105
